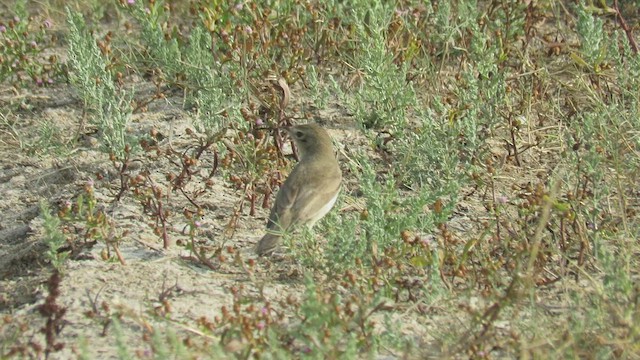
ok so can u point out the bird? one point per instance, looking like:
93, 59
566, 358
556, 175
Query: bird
310, 191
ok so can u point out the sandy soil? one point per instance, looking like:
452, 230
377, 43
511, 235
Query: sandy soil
154, 279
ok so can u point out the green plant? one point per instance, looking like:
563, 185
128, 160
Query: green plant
85, 223
163, 50
90, 75
383, 96
24, 43
211, 93
593, 43
53, 237
325, 324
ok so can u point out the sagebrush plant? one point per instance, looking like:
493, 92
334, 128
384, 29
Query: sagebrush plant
216, 101
429, 158
382, 95
593, 41
320, 91
121, 343
108, 104
50, 138
162, 47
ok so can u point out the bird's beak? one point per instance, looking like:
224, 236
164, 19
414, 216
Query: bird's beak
287, 130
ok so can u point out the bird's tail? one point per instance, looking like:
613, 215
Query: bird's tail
267, 244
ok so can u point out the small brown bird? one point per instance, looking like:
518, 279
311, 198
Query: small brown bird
311, 189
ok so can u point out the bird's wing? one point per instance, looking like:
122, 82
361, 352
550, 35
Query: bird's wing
310, 202
298, 204
280, 217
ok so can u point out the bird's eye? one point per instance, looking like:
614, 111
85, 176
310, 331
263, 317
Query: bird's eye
299, 134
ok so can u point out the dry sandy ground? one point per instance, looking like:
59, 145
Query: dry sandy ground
135, 292
157, 283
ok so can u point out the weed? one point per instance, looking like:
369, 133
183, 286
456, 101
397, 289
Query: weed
25, 41
23, 342
324, 324
53, 237
54, 314
84, 222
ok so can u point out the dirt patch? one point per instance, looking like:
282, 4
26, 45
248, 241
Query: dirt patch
94, 290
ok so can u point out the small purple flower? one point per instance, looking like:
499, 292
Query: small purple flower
239, 6
38, 81
248, 30
260, 325
47, 23
50, 81
502, 199
197, 224
259, 122
147, 11
131, 2
264, 311
90, 182
3, 28
33, 44
16, 19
